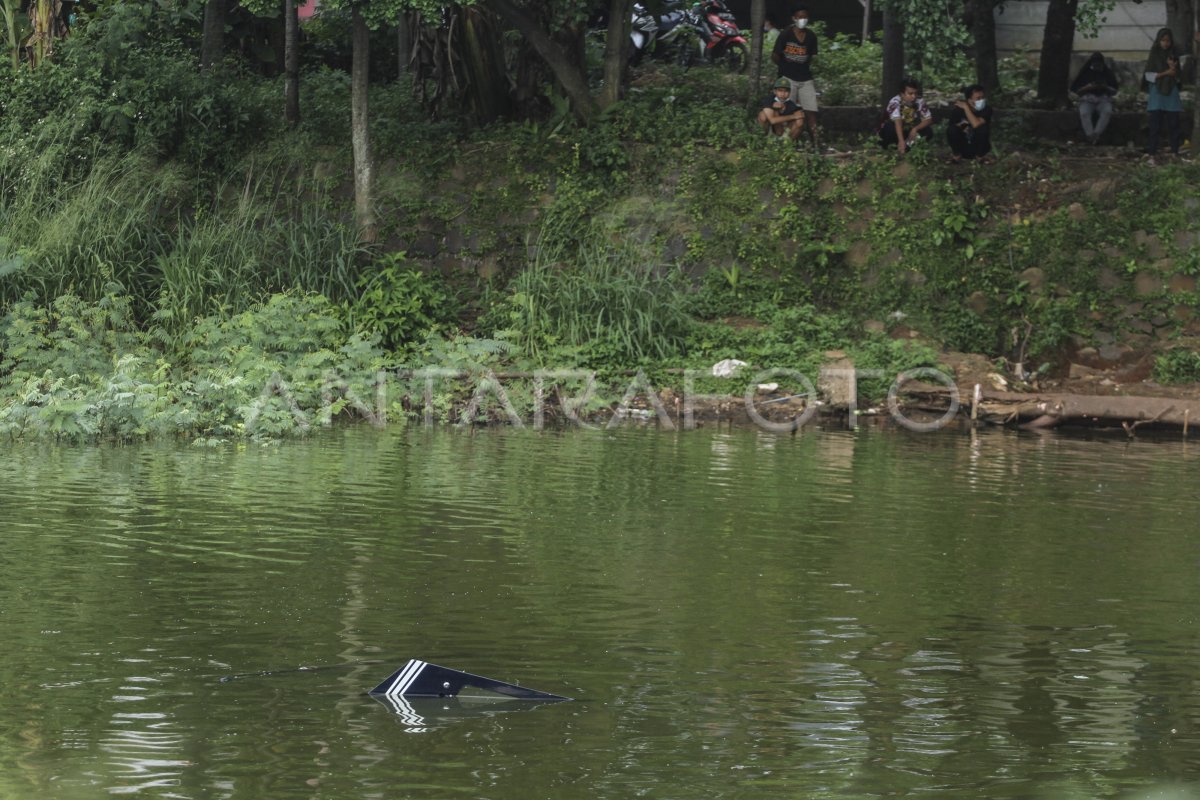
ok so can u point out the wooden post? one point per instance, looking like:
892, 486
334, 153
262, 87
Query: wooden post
866, 30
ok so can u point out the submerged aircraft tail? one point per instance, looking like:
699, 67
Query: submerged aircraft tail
421, 679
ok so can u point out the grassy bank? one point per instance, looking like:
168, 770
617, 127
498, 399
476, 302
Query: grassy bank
171, 273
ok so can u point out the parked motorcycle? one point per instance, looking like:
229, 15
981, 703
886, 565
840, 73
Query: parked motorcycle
720, 39
666, 36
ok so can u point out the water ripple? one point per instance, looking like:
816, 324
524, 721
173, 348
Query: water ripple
829, 614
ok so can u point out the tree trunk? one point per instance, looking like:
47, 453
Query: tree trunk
403, 43
1054, 72
45, 18
291, 63
758, 21
360, 135
1179, 20
893, 53
567, 71
212, 42
486, 81
983, 31
615, 49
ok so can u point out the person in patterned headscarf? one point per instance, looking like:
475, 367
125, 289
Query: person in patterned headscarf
1162, 80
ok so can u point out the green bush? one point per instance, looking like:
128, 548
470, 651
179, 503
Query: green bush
162, 103
1177, 366
266, 229
398, 303
70, 335
962, 329
81, 370
105, 228
112, 87
848, 72
676, 117
324, 98
733, 291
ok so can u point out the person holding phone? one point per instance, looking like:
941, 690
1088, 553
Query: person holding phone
1162, 78
1095, 86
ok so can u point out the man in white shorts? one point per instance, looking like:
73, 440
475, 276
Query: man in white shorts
794, 51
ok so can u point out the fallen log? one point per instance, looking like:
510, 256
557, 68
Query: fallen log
1051, 409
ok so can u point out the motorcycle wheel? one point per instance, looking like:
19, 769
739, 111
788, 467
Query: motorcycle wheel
735, 58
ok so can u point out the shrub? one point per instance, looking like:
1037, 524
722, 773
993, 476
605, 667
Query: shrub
850, 73
81, 370
399, 304
1177, 366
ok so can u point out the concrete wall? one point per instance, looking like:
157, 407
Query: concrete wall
1058, 126
1127, 33
839, 16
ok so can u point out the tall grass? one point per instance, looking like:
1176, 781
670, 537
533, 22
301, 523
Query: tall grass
82, 234
268, 236
592, 293
144, 227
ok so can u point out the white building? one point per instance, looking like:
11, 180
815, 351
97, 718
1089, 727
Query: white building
1126, 34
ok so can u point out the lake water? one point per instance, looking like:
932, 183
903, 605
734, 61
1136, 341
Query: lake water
738, 614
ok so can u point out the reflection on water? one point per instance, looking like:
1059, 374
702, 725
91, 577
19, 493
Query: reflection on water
834, 614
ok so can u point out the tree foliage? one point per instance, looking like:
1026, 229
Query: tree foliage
935, 36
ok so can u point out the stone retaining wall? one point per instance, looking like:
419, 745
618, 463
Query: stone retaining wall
1125, 128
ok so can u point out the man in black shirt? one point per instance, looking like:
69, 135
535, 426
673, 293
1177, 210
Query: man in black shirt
794, 51
970, 128
779, 114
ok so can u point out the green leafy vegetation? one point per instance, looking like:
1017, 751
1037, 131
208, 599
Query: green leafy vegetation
82, 370
398, 303
1177, 366
162, 229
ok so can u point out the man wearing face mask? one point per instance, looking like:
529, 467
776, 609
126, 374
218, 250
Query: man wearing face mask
970, 130
794, 51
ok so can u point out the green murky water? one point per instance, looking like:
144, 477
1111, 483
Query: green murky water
740, 615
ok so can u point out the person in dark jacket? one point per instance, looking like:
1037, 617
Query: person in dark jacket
970, 128
1095, 86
